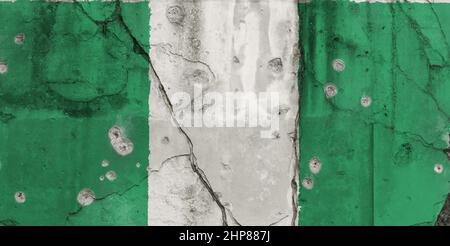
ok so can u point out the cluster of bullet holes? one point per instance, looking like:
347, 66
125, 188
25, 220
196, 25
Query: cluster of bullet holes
112, 175
121, 144
315, 165
18, 39
331, 90
109, 175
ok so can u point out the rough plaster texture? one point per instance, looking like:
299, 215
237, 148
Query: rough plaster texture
73, 77
223, 176
374, 129
384, 161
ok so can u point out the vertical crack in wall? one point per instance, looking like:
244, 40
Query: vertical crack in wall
444, 216
227, 47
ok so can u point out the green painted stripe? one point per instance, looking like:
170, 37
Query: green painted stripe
75, 76
377, 162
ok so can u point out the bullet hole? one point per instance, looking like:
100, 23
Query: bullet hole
308, 183
19, 38
138, 165
115, 133
315, 165
165, 140
105, 163
175, 14
195, 43
330, 90
3, 68
338, 65
275, 65
366, 101
111, 175
101, 178
122, 145
20, 197
438, 168
86, 197
196, 76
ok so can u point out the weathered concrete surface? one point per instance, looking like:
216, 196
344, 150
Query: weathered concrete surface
72, 76
223, 176
383, 161
443, 218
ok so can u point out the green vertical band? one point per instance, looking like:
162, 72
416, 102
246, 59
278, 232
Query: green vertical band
377, 161
75, 76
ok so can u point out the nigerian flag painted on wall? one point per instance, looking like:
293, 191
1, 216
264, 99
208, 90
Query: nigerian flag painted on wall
86, 133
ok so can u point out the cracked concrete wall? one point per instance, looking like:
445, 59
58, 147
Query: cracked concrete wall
72, 74
375, 112
222, 176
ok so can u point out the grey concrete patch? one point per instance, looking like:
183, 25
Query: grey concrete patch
223, 176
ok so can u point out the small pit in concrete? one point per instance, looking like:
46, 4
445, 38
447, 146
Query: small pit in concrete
338, 65
330, 90
86, 197
20, 197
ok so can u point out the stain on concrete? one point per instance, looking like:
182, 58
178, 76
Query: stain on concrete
226, 46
